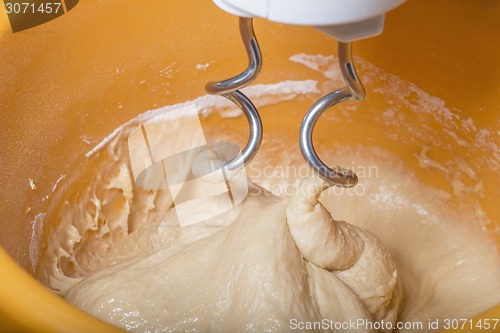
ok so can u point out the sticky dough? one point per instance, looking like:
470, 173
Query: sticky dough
118, 251
280, 259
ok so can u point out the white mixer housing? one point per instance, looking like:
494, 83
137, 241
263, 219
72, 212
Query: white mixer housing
345, 20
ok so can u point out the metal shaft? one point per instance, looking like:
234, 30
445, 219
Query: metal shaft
230, 89
354, 90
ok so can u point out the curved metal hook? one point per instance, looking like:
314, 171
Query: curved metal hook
354, 90
230, 89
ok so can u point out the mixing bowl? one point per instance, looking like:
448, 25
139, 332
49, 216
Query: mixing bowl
66, 84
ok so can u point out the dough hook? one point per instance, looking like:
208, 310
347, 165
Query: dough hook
230, 89
354, 90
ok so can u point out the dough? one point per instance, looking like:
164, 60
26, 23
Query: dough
281, 259
117, 250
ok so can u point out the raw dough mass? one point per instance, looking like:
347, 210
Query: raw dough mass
118, 252
280, 259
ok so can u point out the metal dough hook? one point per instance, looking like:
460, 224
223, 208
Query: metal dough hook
354, 90
230, 89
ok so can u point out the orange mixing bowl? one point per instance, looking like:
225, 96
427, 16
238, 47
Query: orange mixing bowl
68, 83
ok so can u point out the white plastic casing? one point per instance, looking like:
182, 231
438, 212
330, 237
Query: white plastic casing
346, 20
